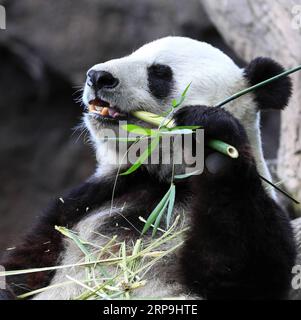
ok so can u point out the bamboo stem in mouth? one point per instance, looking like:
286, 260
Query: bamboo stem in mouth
154, 119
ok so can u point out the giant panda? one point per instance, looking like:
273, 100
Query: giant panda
239, 243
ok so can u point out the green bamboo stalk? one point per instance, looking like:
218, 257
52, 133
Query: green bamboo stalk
258, 85
153, 119
224, 148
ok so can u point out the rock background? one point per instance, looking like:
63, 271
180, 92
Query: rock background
73, 35
44, 54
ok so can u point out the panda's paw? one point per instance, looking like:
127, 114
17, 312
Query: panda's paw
6, 294
216, 122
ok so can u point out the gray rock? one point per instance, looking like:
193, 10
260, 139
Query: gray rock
74, 35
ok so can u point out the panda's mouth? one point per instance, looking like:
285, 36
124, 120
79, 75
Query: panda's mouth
104, 110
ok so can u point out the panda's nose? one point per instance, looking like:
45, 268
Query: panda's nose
102, 80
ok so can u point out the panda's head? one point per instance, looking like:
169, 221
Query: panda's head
151, 77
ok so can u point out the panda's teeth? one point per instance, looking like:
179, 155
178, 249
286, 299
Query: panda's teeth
94, 108
105, 111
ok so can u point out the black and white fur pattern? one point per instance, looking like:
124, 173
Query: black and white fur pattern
240, 244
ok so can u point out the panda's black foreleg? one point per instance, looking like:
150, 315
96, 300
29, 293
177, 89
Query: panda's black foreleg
240, 244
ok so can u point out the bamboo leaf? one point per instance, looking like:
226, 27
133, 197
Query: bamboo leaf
159, 218
71, 235
153, 216
146, 153
187, 175
185, 127
171, 203
132, 169
138, 130
174, 103
186, 90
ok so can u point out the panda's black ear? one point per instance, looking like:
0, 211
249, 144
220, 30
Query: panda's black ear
274, 95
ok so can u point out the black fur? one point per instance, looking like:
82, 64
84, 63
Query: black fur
240, 244
274, 95
6, 295
160, 80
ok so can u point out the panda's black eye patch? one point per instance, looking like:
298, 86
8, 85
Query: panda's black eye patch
159, 80
160, 71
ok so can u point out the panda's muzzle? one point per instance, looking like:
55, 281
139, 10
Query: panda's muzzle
103, 81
